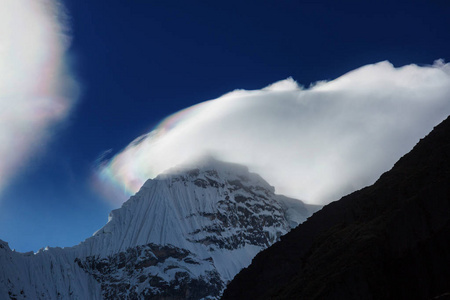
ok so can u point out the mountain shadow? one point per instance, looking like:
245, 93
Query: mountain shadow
390, 240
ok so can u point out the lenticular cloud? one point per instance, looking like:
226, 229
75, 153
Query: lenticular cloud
316, 144
35, 87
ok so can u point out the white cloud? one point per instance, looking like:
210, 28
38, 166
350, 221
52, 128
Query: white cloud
315, 144
35, 87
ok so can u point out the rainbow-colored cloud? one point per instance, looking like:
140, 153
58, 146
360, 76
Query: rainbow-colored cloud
36, 89
316, 144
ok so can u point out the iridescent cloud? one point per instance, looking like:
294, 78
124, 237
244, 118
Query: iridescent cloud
316, 144
36, 89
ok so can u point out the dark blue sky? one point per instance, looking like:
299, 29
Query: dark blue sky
140, 60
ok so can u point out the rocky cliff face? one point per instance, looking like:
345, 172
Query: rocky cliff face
387, 241
154, 272
184, 235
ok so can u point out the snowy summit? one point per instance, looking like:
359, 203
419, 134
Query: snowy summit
185, 234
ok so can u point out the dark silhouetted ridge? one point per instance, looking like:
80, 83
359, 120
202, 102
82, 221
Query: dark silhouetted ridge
387, 241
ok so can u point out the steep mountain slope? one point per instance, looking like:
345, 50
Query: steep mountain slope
184, 235
48, 274
387, 241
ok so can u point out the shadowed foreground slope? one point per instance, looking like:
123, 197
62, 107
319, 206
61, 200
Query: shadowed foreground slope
387, 241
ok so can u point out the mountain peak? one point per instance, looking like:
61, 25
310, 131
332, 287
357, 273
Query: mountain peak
184, 235
211, 169
207, 163
4, 245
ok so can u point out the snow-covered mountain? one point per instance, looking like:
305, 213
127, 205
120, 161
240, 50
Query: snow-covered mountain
184, 235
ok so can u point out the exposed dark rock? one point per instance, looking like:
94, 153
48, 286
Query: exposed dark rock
387, 241
201, 183
249, 215
121, 274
